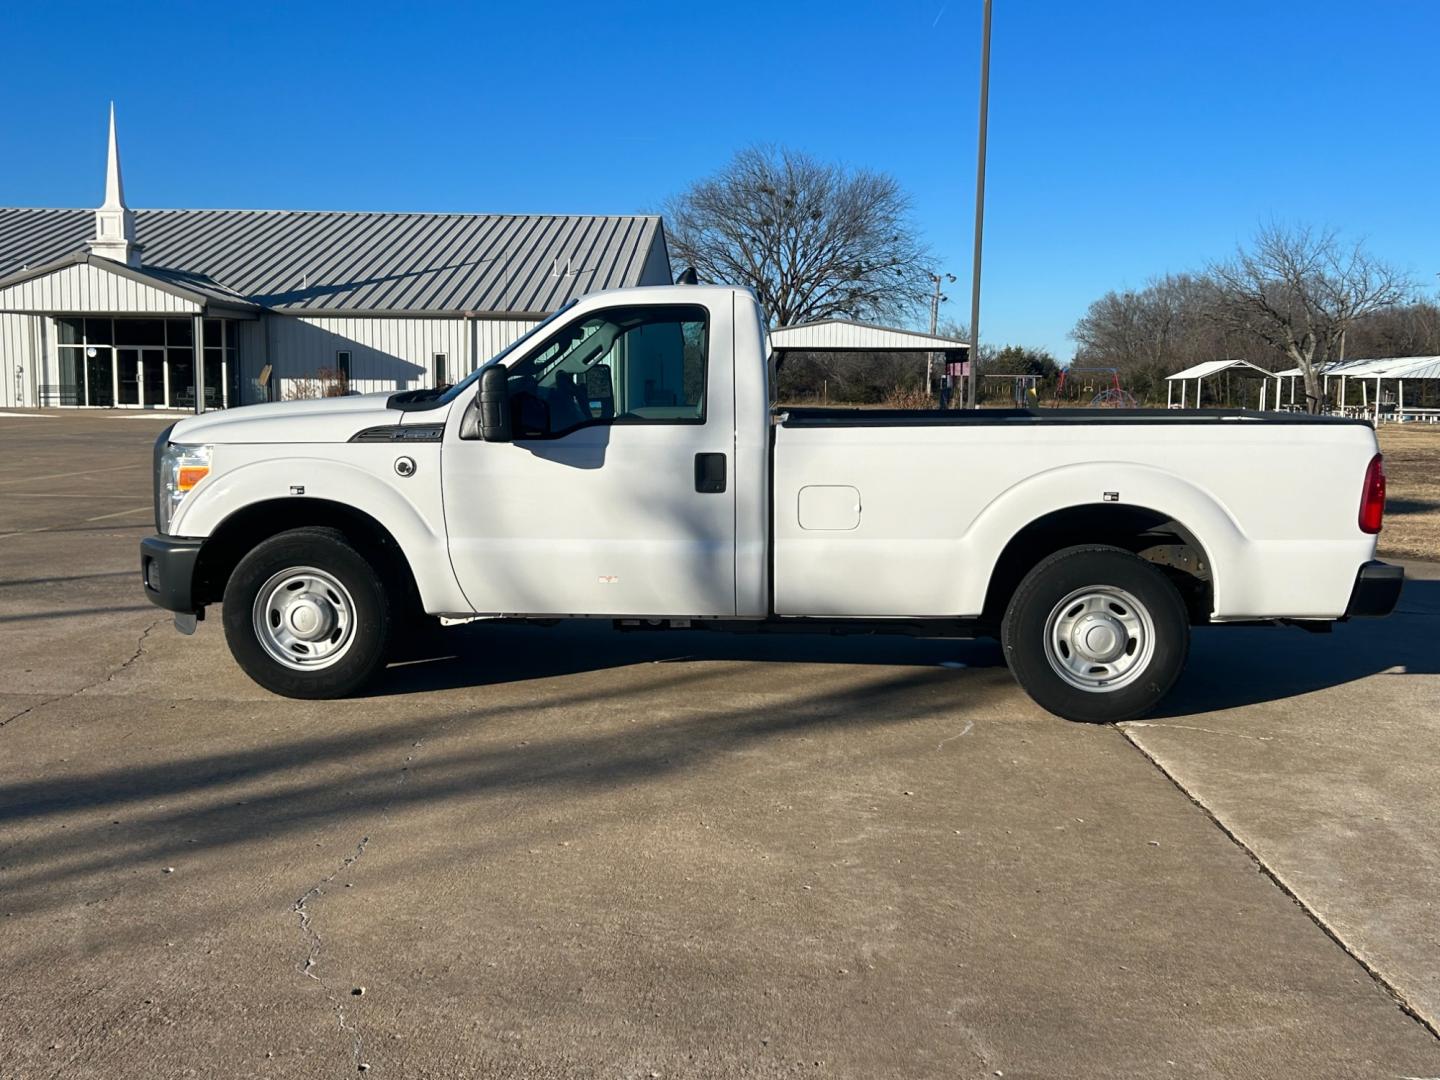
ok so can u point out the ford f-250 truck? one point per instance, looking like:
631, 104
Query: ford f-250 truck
624, 460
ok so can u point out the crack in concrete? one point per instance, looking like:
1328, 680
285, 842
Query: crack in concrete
314, 944
139, 649
301, 907
1376, 975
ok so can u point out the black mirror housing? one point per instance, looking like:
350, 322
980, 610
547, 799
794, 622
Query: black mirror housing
495, 404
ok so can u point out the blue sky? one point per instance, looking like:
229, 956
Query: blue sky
1127, 138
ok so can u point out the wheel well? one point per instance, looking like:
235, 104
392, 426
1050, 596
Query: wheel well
238, 534
1152, 535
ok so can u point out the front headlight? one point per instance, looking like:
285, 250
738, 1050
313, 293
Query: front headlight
181, 468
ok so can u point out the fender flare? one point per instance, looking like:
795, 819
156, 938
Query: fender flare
1090, 484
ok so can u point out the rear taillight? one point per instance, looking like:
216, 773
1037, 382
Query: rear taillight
1372, 498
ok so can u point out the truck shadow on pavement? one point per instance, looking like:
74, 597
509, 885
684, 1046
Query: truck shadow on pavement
478, 654
1233, 667
75, 825
1229, 667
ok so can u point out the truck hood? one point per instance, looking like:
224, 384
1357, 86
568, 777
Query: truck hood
318, 420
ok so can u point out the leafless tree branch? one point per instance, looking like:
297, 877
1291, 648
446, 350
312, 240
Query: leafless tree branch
814, 240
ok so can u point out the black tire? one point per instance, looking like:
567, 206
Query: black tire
1115, 603
359, 611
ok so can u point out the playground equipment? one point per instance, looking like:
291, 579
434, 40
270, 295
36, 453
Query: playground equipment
1113, 398
1093, 381
1025, 389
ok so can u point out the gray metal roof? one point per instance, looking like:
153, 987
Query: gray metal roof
1388, 367
339, 261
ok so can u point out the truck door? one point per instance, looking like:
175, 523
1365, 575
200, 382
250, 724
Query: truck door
616, 495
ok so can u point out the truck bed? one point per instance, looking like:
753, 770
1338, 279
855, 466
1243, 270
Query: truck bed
840, 417
880, 512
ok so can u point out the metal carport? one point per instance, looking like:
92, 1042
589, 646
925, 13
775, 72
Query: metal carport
847, 336
1200, 372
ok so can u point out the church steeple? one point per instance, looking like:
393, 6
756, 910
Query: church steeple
114, 221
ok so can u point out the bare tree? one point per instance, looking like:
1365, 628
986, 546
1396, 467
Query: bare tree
1300, 291
814, 240
1410, 330
1153, 332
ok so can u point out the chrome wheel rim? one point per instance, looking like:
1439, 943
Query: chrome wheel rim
1099, 638
304, 618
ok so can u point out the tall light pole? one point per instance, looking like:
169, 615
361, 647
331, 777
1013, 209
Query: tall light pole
935, 303
970, 397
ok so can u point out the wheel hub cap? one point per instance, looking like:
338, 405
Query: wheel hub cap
1099, 638
304, 618
310, 617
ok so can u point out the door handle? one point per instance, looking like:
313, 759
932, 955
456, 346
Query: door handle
710, 473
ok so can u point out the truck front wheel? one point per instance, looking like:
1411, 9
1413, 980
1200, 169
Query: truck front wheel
306, 615
1096, 634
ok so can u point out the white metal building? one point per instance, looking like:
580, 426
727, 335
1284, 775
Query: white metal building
106, 307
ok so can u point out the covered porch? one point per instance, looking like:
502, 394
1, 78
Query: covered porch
118, 336
946, 359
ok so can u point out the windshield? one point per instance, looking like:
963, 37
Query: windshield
469, 380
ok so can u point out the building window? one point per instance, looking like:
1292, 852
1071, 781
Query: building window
222, 367
143, 362
441, 378
342, 362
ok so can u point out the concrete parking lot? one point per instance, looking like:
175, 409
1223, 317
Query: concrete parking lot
577, 853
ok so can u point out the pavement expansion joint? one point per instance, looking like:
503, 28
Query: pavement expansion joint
1192, 727
1377, 976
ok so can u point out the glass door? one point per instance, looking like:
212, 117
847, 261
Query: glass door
140, 377
128, 376
181, 366
152, 377
99, 374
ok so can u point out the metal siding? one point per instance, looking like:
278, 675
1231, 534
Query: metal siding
385, 354
250, 352
88, 288
19, 339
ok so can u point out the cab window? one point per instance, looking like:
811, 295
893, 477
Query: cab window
641, 365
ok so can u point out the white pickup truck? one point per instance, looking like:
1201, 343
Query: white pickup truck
624, 460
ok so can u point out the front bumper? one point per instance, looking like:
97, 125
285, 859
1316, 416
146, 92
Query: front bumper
1377, 590
167, 570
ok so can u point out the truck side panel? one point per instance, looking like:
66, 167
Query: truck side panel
359, 475
936, 506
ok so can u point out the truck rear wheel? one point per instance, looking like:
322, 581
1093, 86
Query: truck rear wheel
307, 616
1096, 634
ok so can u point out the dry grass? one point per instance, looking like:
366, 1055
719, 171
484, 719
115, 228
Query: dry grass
1412, 505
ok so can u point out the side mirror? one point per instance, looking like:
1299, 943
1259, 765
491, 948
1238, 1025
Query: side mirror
495, 404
